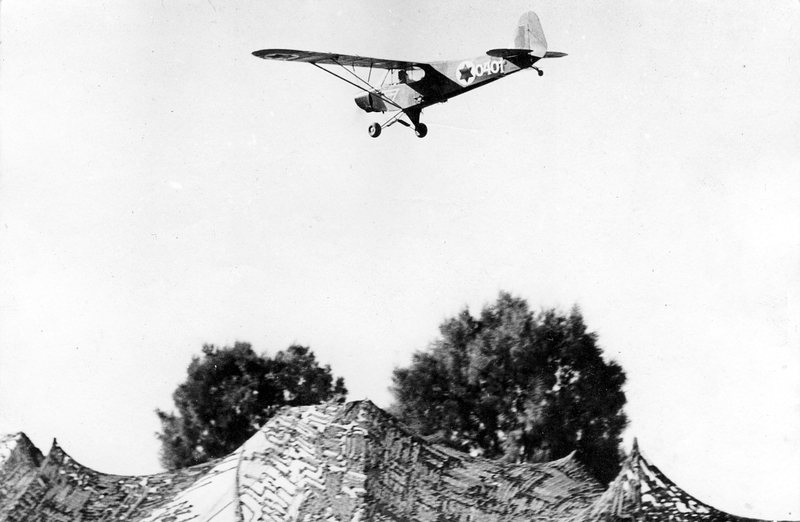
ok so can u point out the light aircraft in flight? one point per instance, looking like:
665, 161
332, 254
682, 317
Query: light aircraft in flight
409, 87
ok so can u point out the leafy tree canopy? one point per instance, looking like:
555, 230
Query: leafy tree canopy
518, 386
230, 392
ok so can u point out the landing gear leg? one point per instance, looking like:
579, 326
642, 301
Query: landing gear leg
539, 71
420, 129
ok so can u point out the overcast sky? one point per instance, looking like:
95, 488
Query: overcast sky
161, 188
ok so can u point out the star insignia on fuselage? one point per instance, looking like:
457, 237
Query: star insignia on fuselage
466, 73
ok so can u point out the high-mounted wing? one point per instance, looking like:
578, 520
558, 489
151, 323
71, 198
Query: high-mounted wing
293, 55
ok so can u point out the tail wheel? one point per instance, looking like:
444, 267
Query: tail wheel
375, 130
421, 130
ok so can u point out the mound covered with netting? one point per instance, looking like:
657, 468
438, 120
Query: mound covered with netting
337, 463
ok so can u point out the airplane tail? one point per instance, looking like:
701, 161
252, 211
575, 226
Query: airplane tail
529, 35
529, 42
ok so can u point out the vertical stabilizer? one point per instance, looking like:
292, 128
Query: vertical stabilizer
530, 36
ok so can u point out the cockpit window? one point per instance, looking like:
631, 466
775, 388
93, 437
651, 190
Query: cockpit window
413, 74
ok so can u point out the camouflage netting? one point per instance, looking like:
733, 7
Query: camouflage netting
337, 463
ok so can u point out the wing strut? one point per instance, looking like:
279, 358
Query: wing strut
371, 89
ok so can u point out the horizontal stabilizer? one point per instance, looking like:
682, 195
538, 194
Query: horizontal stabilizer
509, 54
554, 54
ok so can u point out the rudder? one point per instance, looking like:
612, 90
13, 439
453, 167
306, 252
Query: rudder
530, 36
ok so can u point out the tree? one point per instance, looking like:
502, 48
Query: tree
230, 392
517, 386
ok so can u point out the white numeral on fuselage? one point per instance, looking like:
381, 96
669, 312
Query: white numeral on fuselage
467, 72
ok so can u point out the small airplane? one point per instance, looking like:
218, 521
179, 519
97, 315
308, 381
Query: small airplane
409, 87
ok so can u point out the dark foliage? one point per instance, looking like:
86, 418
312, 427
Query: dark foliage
230, 392
517, 386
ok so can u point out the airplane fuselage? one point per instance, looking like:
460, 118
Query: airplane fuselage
441, 81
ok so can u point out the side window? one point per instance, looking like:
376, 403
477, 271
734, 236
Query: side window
415, 74
412, 74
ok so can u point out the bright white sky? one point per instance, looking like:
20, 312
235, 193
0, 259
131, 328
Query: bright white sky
162, 188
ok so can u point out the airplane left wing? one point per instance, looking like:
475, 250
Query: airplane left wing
293, 55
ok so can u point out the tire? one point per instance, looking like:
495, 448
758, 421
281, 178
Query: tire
421, 130
375, 130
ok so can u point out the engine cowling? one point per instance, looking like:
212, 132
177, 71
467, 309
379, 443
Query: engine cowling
370, 102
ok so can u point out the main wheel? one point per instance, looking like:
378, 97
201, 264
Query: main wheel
375, 130
421, 130
541, 72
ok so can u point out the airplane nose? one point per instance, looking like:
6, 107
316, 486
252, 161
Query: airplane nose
368, 102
